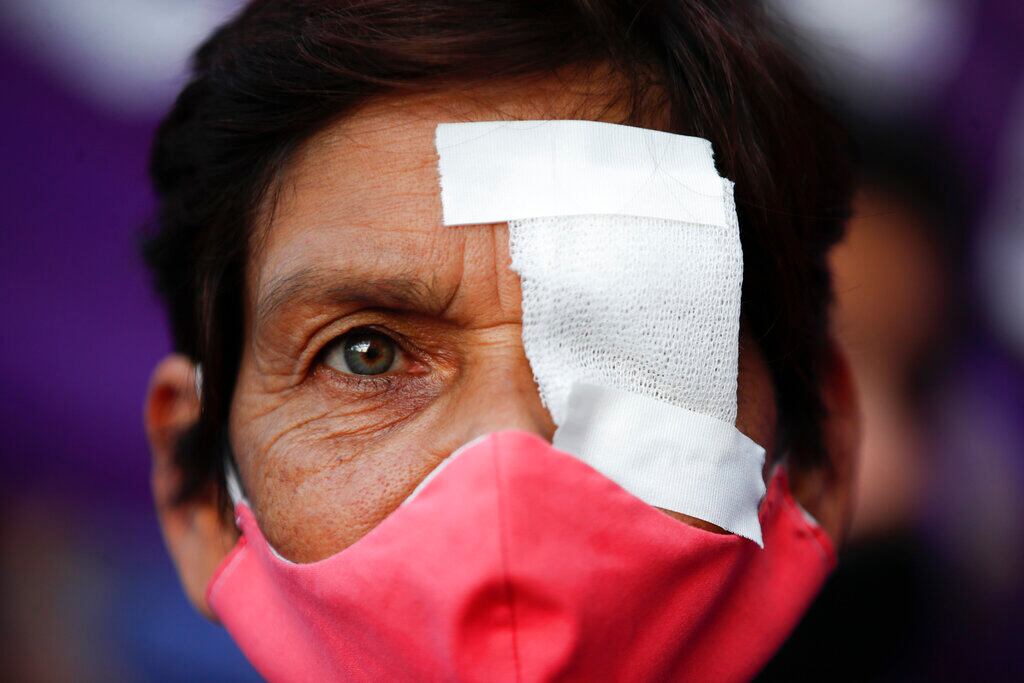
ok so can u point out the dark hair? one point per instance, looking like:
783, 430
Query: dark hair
284, 69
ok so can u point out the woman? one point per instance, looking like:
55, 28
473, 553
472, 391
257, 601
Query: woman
349, 343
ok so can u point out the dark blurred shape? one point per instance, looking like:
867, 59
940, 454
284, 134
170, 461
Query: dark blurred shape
903, 605
899, 302
931, 586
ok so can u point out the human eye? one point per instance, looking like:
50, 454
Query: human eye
364, 351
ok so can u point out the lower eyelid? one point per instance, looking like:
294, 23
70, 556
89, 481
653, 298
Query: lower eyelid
385, 395
373, 382
363, 384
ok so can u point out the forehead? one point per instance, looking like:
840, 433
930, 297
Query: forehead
364, 191
367, 179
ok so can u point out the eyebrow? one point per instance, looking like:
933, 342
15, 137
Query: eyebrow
311, 286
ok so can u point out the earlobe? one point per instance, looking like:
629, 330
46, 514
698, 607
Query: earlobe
827, 492
194, 530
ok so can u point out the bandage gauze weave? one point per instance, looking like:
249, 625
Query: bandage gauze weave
627, 245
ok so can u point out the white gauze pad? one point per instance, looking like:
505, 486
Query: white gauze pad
627, 246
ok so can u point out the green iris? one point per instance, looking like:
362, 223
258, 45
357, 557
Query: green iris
367, 352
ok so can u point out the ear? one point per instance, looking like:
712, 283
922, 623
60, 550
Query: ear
196, 533
827, 492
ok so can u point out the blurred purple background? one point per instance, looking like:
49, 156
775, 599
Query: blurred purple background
87, 590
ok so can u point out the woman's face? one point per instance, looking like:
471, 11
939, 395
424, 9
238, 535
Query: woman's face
377, 341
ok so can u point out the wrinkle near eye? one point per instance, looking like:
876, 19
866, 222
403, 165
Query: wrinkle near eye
294, 437
487, 289
508, 290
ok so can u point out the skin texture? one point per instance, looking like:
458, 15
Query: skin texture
354, 239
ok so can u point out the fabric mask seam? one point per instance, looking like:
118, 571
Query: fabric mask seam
224, 571
826, 547
508, 589
792, 508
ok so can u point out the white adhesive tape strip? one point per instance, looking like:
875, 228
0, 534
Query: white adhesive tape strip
640, 443
495, 171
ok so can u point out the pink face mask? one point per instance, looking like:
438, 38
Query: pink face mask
519, 562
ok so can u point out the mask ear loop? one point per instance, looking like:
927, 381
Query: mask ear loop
779, 461
231, 479
783, 463
233, 483
197, 377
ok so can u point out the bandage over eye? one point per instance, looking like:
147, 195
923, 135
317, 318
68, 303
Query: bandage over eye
627, 245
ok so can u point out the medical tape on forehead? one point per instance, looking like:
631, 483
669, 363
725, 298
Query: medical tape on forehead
627, 246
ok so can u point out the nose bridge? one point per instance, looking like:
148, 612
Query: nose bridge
502, 394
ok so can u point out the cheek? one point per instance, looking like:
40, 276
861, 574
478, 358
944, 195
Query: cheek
310, 514
321, 470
